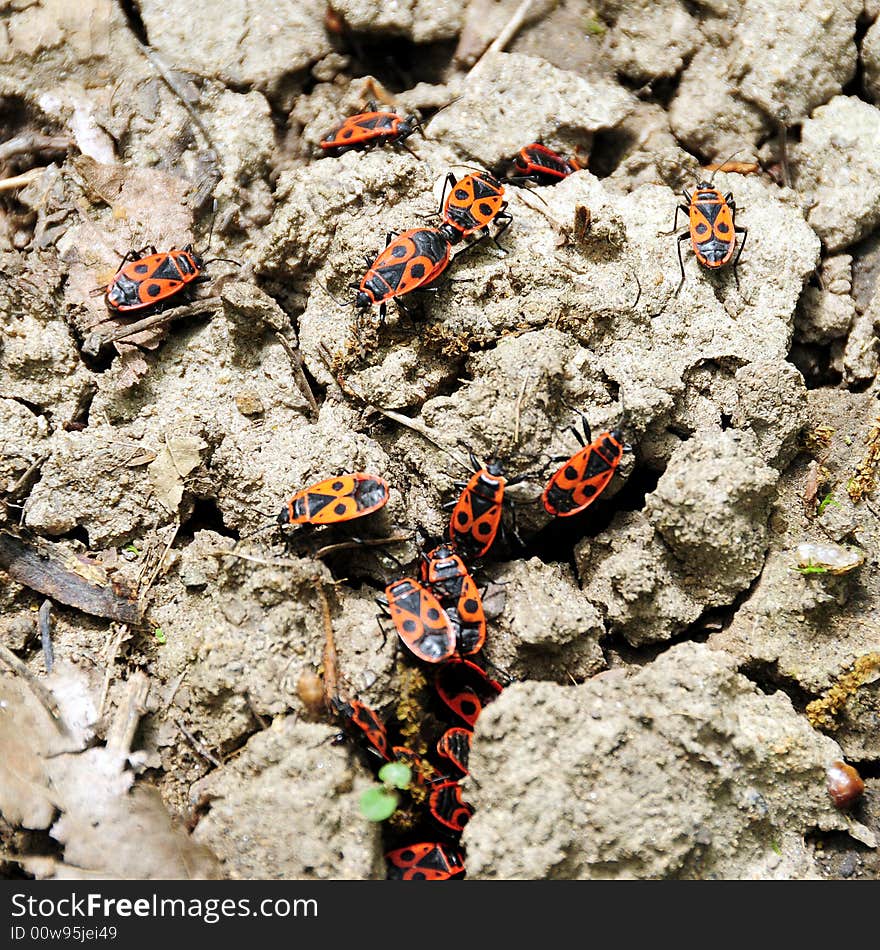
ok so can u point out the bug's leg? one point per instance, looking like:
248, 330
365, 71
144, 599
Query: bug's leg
372, 105
383, 310
683, 237
588, 432
401, 144
507, 218
449, 183
513, 530
745, 233
449, 505
573, 430
678, 208
384, 632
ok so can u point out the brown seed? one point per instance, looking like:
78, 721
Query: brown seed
310, 689
845, 785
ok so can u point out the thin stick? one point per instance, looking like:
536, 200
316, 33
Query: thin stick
43, 695
34, 142
519, 400
296, 361
202, 750
331, 678
783, 149
108, 669
175, 688
173, 85
362, 543
31, 470
46, 634
19, 181
94, 342
397, 417
161, 560
504, 37
121, 733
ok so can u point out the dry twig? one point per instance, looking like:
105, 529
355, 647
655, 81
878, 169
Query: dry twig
95, 342
510, 30
331, 680
202, 750
296, 362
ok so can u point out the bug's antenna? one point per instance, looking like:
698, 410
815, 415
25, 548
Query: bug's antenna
722, 164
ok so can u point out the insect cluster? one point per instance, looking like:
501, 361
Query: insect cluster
437, 610
438, 615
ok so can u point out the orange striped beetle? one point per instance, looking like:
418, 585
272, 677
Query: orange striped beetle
340, 498
712, 229
584, 476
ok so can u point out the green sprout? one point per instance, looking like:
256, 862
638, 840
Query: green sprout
776, 846
159, 635
811, 569
135, 551
827, 501
381, 801
595, 27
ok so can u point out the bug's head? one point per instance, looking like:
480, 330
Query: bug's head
704, 186
362, 301
412, 123
494, 466
197, 258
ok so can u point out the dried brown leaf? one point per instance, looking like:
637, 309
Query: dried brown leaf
178, 457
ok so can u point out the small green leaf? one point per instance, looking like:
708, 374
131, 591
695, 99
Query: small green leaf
135, 551
811, 569
159, 635
776, 846
397, 774
595, 27
378, 803
826, 501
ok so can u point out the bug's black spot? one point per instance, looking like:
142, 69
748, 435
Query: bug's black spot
407, 855
399, 251
470, 606
486, 210
417, 270
461, 194
462, 518
347, 133
338, 486
722, 228
141, 268
701, 230
468, 707
417, 876
339, 509
483, 528
588, 491
410, 626
153, 290
570, 472
433, 613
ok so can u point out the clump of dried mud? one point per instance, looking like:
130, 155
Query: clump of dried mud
669, 646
